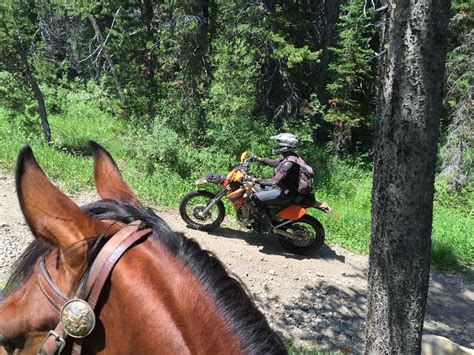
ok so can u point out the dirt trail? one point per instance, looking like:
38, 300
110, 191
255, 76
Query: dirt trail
311, 300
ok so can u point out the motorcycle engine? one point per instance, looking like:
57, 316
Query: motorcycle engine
244, 217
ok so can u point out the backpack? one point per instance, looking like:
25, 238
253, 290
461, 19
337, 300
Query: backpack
305, 179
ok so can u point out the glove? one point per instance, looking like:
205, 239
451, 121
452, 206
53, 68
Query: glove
250, 178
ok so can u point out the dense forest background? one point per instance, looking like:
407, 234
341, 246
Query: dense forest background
176, 89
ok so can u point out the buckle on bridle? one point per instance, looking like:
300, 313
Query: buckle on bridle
77, 318
59, 341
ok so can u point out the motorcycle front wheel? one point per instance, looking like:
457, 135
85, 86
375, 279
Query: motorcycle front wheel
193, 204
309, 236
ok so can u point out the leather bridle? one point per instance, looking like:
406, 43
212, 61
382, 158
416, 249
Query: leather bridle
89, 288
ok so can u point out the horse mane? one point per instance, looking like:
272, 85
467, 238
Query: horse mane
232, 299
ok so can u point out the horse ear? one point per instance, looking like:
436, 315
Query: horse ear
51, 215
109, 183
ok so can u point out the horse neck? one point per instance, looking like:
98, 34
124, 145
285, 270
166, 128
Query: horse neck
155, 304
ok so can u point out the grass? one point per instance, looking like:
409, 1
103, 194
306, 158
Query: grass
155, 169
350, 225
453, 240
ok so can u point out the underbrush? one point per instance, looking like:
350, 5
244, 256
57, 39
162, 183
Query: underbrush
160, 166
298, 350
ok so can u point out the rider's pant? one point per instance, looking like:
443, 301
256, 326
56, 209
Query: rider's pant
272, 195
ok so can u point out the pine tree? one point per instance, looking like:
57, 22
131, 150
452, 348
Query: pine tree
351, 89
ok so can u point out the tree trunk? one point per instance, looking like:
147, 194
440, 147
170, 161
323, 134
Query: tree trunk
203, 37
331, 9
204, 9
36, 90
276, 93
74, 56
408, 109
150, 61
109, 60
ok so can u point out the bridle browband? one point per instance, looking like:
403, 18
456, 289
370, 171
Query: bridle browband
87, 294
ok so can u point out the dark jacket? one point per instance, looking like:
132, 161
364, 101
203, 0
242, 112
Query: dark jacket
285, 176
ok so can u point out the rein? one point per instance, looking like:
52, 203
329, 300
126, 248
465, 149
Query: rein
77, 317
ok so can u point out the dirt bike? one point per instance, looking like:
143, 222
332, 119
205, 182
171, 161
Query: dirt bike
297, 231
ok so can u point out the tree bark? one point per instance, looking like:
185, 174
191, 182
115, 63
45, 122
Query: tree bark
276, 93
204, 9
109, 60
150, 61
331, 9
409, 97
204, 37
36, 90
74, 56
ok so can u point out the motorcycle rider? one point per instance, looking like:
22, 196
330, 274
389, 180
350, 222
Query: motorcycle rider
282, 187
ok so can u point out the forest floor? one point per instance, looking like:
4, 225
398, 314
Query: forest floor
318, 301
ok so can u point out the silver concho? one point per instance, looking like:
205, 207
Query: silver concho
77, 318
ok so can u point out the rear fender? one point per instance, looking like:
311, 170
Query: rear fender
293, 212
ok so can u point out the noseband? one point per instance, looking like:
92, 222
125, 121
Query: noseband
77, 317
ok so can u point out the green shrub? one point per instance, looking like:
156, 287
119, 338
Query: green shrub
87, 113
14, 94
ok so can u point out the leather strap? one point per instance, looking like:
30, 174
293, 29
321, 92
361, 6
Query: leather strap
48, 287
110, 263
104, 254
111, 253
101, 270
98, 275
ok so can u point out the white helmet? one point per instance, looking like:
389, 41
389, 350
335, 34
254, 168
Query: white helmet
287, 142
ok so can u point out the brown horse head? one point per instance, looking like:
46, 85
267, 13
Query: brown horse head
165, 295
61, 230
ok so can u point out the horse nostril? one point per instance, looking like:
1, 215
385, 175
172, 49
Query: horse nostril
6, 344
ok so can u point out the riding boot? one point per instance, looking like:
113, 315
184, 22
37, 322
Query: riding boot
265, 222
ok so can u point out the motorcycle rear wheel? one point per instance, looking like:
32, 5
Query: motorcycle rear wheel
194, 202
311, 232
